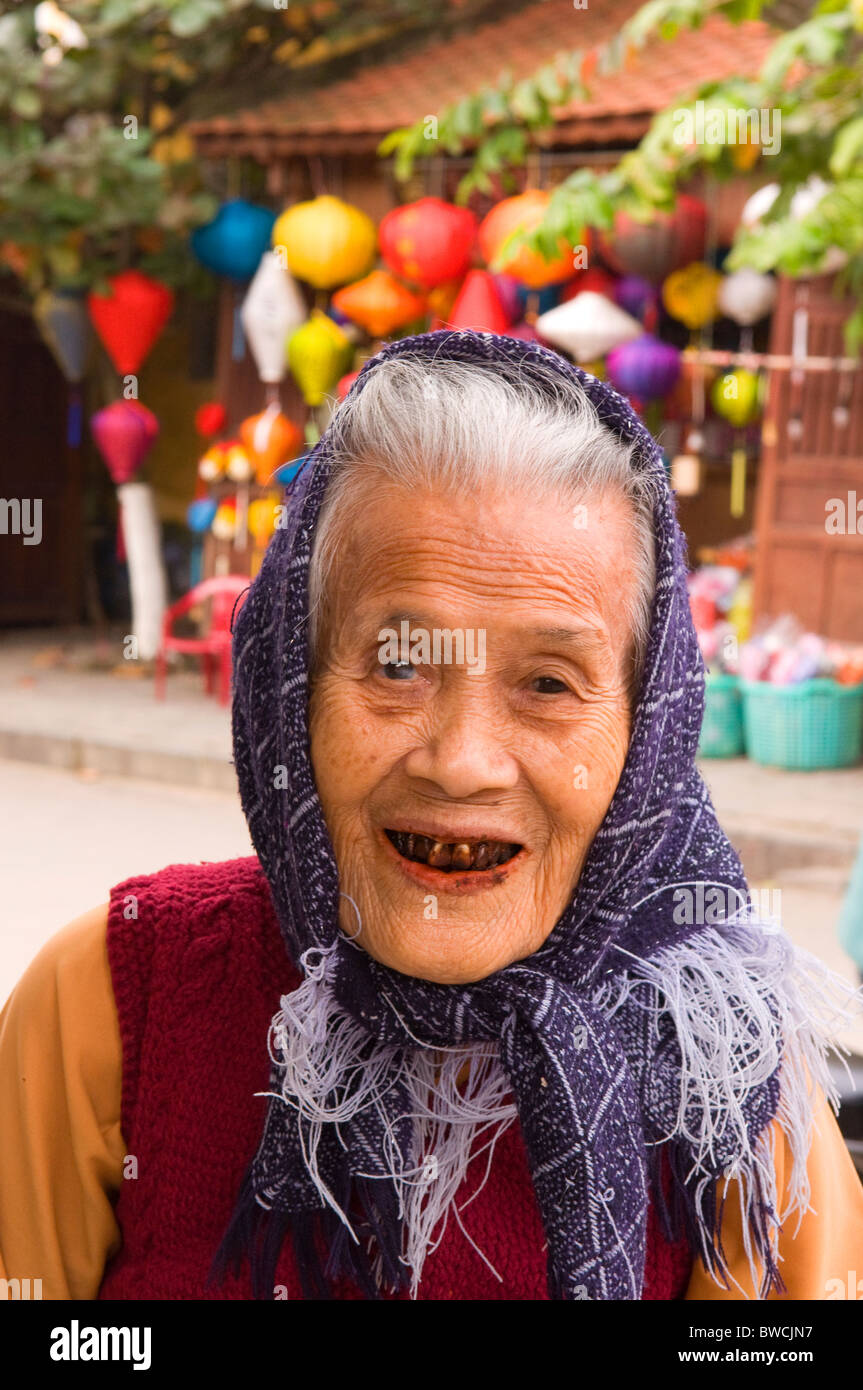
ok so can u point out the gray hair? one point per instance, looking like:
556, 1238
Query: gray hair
451, 425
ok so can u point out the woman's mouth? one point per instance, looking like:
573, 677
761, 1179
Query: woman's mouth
453, 856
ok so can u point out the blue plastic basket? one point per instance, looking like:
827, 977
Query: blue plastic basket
816, 724
722, 727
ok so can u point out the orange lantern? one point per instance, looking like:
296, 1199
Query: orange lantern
525, 211
270, 439
379, 303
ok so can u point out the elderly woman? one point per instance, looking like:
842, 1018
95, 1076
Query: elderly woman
525, 1040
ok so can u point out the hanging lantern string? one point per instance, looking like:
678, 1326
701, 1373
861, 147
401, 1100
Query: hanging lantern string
777, 362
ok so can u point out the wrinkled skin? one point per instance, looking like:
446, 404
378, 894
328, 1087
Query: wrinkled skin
530, 750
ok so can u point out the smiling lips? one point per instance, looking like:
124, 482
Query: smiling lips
453, 856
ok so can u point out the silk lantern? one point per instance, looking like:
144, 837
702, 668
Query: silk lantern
691, 294
130, 318
210, 419
524, 211
327, 242
655, 248
262, 518
379, 303
64, 323
636, 296
238, 465
123, 438
213, 464
318, 354
746, 297
736, 397
273, 307
646, 367
478, 305
200, 513
224, 523
233, 243
428, 242
593, 281
588, 326
270, 439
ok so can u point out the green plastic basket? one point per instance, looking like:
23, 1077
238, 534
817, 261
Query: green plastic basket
722, 728
816, 724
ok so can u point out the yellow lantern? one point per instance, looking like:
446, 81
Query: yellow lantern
318, 354
326, 241
239, 465
691, 294
262, 518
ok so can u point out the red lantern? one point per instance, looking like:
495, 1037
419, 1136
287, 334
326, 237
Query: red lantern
429, 241
379, 303
478, 305
597, 280
654, 249
130, 319
524, 211
210, 419
346, 383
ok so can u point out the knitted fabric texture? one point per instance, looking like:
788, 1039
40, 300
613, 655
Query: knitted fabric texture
203, 958
626, 1036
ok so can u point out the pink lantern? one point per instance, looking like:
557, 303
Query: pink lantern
123, 437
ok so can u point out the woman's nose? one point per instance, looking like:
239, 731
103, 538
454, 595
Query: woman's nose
464, 749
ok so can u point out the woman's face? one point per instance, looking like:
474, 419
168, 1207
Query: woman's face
432, 772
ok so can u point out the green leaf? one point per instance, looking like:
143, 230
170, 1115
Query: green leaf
847, 148
26, 103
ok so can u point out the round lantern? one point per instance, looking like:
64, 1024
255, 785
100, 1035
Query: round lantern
593, 281
210, 419
525, 212
653, 249
428, 242
637, 297
318, 354
238, 465
270, 439
224, 523
212, 464
691, 294
746, 296
379, 303
735, 396
262, 518
346, 383
233, 243
588, 326
478, 305
646, 368
200, 513
130, 318
272, 308
327, 242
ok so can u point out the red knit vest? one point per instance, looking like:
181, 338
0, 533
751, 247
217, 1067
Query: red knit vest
198, 966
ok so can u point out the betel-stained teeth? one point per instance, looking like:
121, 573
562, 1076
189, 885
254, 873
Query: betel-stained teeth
452, 856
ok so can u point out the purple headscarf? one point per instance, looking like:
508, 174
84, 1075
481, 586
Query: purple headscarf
629, 1036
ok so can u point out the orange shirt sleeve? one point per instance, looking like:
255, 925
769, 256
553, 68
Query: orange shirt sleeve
61, 1149
819, 1252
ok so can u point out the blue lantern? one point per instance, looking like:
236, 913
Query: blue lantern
200, 513
236, 239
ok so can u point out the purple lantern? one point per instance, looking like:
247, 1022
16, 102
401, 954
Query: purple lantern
646, 367
123, 437
637, 296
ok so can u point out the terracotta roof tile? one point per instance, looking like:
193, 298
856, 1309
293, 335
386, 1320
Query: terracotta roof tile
355, 112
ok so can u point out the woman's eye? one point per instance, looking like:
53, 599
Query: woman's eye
396, 670
550, 685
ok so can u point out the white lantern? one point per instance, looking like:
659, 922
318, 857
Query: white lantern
746, 296
273, 308
588, 326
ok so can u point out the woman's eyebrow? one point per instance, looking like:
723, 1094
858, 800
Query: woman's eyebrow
572, 636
